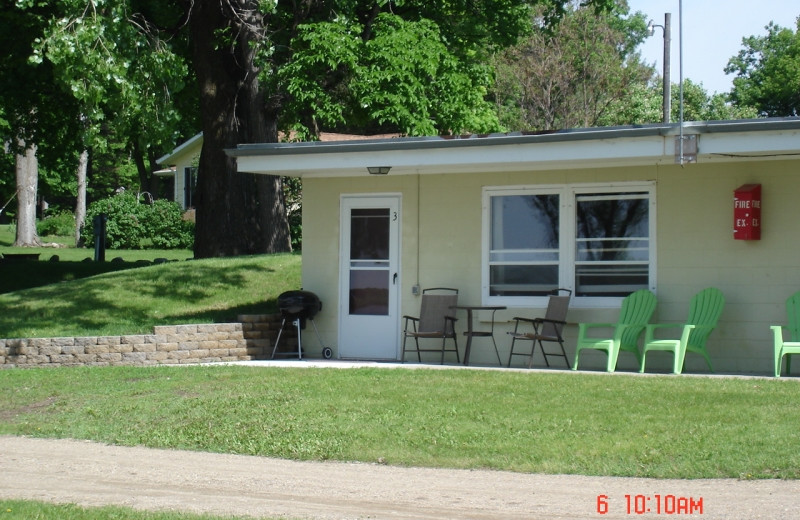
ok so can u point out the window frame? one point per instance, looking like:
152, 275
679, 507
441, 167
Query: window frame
567, 254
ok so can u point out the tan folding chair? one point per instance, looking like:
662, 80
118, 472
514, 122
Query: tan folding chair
547, 329
435, 321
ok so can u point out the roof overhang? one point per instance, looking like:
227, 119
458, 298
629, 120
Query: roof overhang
170, 158
718, 141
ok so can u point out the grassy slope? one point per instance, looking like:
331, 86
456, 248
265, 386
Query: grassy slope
132, 301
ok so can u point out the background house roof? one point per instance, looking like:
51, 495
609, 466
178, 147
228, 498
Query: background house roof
717, 141
195, 142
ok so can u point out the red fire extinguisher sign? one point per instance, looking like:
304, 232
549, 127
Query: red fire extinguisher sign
747, 212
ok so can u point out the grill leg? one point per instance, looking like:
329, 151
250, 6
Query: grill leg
296, 323
278, 340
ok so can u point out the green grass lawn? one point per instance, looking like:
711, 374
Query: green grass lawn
573, 423
29, 510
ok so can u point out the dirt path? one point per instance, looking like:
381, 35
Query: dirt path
88, 473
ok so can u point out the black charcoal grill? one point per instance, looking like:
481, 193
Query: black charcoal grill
296, 308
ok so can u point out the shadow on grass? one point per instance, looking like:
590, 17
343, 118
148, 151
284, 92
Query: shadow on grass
17, 276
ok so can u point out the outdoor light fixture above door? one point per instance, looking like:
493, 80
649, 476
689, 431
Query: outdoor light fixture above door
378, 170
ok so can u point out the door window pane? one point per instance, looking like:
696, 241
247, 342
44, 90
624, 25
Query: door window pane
369, 292
369, 234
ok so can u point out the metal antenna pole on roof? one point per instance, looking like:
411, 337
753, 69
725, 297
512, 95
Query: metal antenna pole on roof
680, 59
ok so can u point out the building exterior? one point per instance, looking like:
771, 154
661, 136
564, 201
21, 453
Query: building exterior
507, 217
181, 166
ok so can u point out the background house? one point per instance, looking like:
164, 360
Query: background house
181, 166
505, 217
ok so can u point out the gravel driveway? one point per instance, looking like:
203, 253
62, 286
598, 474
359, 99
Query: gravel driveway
90, 474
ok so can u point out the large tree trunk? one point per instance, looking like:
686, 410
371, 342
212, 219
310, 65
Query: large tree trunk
237, 213
27, 183
80, 205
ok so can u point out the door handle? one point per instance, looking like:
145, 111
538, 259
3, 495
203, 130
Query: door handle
394, 279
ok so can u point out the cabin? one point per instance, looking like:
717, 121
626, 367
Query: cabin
506, 218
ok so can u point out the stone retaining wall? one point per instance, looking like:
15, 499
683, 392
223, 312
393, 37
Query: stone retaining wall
252, 337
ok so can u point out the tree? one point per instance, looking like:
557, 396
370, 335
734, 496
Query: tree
572, 75
28, 97
123, 78
643, 104
242, 52
768, 72
699, 106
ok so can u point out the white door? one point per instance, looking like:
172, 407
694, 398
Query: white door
369, 277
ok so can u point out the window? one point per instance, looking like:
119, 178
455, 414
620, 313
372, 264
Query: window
189, 186
596, 240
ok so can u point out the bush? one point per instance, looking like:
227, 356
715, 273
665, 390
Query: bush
132, 225
60, 224
166, 227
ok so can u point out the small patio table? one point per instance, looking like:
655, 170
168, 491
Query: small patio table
471, 332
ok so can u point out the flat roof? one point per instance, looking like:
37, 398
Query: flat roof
575, 134
718, 141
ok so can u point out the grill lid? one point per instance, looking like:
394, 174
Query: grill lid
304, 304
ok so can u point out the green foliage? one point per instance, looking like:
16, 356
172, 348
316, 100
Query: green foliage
166, 227
133, 225
404, 77
768, 72
698, 105
109, 83
118, 72
293, 195
125, 228
413, 66
577, 73
643, 104
59, 224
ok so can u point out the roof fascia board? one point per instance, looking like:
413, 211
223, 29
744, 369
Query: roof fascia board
506, 157
777, 144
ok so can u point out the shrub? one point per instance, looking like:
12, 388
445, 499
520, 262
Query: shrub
166, 227
133, 225
59, 224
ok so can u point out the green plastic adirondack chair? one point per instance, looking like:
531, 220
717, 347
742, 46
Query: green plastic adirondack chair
634, 314
704, 312
788, 348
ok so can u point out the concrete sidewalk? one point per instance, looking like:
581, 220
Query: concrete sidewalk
344, 364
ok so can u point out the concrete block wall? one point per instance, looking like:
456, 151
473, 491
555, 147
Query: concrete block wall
251, 337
